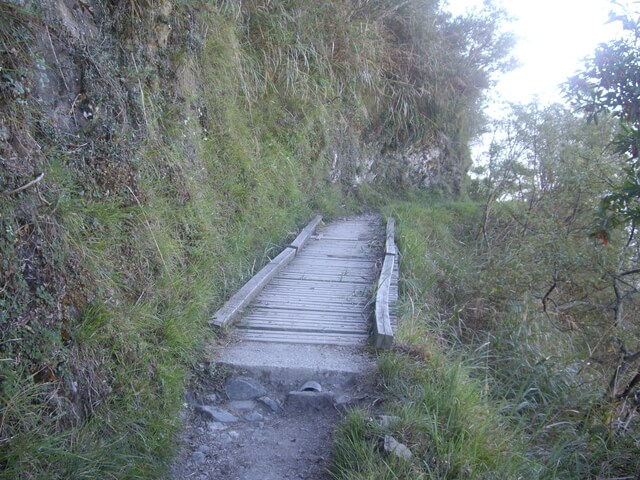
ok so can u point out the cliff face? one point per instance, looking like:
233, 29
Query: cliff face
150, 150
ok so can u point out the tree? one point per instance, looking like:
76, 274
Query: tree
610, 85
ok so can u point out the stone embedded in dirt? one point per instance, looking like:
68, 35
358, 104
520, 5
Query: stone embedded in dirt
269, 402
253, 417
198, 457
242, 405
190, 398
386, 421
310, 400
204, 449
215, 413
211, 399
244, 388
216, 426
400, 450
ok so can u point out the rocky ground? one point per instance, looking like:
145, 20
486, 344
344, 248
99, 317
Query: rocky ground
271, 422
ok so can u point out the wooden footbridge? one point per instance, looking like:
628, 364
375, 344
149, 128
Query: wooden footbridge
334, 285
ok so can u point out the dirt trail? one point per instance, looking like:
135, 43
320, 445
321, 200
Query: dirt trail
273, 436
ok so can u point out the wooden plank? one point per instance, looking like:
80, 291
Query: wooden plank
232, 308
323, 301
366, 272
361, 323
307, 327
335, 239
301, 337
338, 257
382, 331
337, 298
311, 286
341, 282
390, 244
335, 309
319, 315
322, 277
306, 233
331, 279
276, 295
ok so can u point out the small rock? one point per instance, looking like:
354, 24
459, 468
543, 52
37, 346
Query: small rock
198, 457
400, 450
244, 388
216, 426
225, 438
269, 402
211, 399
215, 413
242, 405
310, 400
4, 134
235, 435
190, 398
204, 449
253, 417
387, 420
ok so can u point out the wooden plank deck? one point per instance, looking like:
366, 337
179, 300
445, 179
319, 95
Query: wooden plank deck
325, 295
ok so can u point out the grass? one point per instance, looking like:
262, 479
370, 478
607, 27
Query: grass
485, 385
149, 244
444, 419
453, 427
201, 162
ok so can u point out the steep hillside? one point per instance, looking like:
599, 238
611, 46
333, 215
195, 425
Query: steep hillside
154, 153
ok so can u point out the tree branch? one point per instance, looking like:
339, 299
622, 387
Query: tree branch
26, 185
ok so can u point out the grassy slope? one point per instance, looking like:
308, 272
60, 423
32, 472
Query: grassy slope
204, 156
446, 416
210, 194
485, 386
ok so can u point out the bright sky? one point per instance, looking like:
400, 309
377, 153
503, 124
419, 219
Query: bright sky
553, 37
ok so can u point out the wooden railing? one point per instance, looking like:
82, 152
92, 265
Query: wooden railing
382, 332
231, 310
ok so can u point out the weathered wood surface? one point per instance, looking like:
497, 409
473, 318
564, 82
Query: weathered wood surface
232, 309
324, 295
382, 326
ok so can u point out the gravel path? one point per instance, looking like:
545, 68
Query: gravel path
292, 442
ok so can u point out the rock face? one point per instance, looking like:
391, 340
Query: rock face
438, 164
269, 402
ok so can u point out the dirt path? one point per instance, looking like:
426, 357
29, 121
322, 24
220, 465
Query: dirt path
275, 435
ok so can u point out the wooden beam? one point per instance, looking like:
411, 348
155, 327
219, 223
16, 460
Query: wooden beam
382, 332
306, 233
231, 310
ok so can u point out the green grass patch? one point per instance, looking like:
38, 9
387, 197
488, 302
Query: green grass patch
484, 383
443, 418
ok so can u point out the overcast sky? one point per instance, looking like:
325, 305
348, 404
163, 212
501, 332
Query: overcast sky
553, 37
